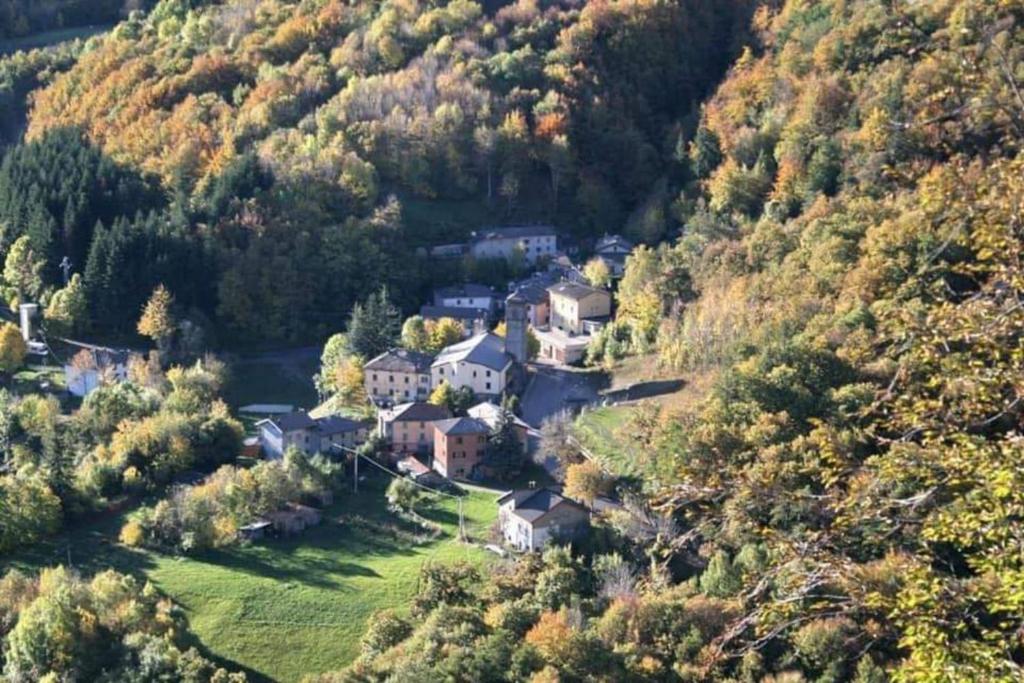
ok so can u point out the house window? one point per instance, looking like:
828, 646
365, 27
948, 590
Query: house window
375, 377
391, 378
474, 374
406, 380
458, 440
488, 386
488, 373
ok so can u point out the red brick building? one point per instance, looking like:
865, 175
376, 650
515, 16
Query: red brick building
459, 445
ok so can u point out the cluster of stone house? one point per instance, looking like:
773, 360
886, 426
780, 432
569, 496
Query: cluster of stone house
426, 441
456, 447
531, 242
399, 382
482, 363
324, 435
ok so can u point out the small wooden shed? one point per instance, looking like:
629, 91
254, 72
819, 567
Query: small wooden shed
294, 519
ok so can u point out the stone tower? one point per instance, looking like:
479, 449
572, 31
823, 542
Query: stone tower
515, 328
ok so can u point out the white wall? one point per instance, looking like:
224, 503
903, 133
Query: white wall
272, 443
480, 379
517, 533
83, 382
533, 247
484, 302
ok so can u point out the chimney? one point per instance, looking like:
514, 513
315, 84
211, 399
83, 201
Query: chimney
515, 328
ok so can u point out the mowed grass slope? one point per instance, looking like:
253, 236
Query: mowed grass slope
285, 608
599, 431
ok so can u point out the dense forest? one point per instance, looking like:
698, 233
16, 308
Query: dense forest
841, 499
828, 199
283, 143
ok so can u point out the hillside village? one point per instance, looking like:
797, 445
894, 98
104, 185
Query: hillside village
518, 341
546, 319
430, 442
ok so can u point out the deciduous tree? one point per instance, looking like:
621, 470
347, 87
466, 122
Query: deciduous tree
12, 348
158, 321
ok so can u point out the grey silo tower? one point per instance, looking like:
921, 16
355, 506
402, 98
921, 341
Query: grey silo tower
515, 328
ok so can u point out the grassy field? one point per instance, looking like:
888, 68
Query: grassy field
284, 608
598, 431
33, 378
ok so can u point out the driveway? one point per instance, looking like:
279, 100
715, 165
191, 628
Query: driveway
551, 390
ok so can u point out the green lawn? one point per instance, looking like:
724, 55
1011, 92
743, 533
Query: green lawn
31, 379
285, 608
599, 432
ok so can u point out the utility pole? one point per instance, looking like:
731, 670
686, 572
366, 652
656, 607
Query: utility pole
355, 477
462, 522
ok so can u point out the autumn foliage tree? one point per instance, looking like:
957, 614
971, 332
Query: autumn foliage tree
157, 321
12, 348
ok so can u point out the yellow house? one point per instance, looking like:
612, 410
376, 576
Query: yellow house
398, 376
574, 305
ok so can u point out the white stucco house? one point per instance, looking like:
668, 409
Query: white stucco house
480, 363
532, 518
280, 433
94, 366
533, 241
310, 435
466, 296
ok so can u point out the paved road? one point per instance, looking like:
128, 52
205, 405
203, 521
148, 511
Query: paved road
552, 390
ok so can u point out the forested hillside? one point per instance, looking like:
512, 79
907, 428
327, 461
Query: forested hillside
843, 501
288, 141
828, 197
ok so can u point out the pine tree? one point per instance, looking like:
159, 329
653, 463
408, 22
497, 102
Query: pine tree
504, 450
375, 326
69, 309
705, 152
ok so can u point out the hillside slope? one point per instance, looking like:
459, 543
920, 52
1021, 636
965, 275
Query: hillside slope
280, 131
844, 503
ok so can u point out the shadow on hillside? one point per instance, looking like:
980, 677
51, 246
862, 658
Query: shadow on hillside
89, 546
313, 572
190, 640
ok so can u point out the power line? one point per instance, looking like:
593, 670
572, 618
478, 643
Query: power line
355, 484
